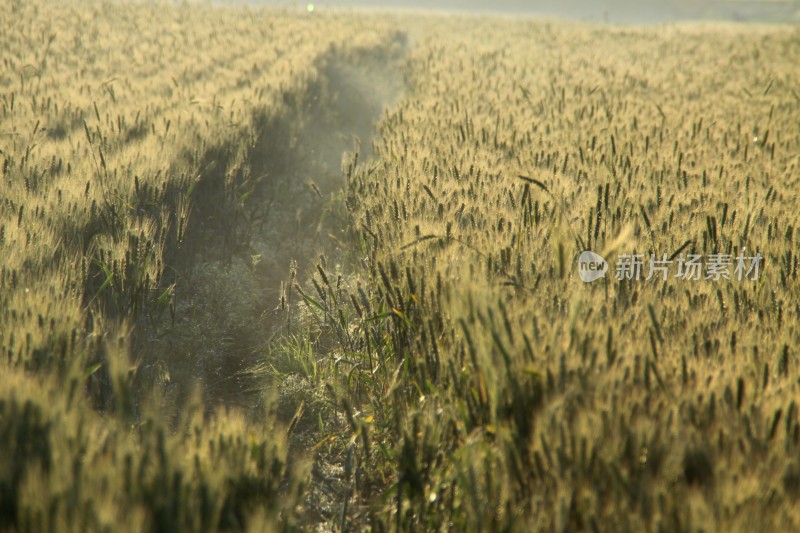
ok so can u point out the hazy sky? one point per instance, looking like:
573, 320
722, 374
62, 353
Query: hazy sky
624, 11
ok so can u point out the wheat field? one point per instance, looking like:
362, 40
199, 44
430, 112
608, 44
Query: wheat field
269, 269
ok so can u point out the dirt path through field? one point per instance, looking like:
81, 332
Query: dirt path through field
229, 278
344, 106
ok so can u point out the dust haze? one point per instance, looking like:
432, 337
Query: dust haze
614, 11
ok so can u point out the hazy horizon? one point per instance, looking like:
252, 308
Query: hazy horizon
614, 11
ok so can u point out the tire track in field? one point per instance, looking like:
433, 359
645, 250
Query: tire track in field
228, 287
